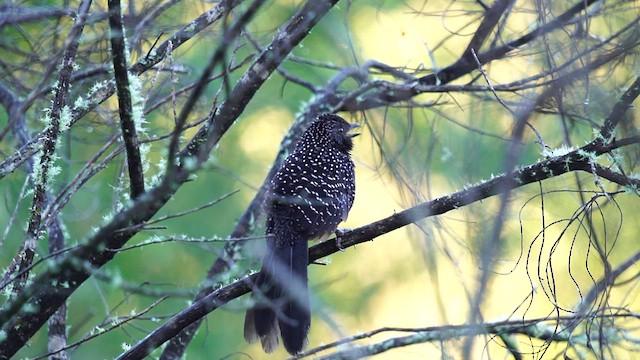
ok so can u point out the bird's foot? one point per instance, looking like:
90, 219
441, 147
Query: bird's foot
339, 233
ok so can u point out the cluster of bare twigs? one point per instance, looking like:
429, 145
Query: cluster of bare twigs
83, 57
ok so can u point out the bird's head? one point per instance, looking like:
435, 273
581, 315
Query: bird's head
331, 130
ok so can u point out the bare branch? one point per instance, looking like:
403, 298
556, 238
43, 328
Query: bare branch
12, 14
499, 185
561, 67
58, 121
116, 325
533, 329
125, 103
100, 94
76, 266
463, 66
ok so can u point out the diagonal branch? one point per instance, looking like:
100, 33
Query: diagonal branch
573, 161
208, 301
616, 114
57, 121
103, 92
464, 65
490, 20
533, 329
57, 283
323, 101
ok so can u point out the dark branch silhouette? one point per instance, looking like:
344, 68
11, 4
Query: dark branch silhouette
144, 107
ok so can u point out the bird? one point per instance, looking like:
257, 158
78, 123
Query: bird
310, 194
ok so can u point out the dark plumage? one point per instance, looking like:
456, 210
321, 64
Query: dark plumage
308, 197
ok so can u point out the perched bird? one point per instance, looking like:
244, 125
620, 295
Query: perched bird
308, 197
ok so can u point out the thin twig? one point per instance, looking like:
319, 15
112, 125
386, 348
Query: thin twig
58, 122
493, 91
546, 169
182, 213
117, 324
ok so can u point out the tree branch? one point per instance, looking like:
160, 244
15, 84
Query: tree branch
12, 14
103, 92
463, 66
125, 105
533, 329
550, 168
53, 286
57, 121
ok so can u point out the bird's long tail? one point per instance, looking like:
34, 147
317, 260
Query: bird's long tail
282, 295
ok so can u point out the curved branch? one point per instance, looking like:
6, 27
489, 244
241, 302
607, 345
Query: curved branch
534, 329
540, 171
57, 283
103, 92
464, 65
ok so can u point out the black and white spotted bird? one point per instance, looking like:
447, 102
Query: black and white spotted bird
308, 197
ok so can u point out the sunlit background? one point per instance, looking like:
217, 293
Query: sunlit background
416, 277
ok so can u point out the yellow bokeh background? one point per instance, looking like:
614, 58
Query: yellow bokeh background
418, 276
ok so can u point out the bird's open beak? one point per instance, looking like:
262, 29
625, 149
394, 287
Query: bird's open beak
353, 126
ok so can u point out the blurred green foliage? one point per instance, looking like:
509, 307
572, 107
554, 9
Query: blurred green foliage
404, 156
